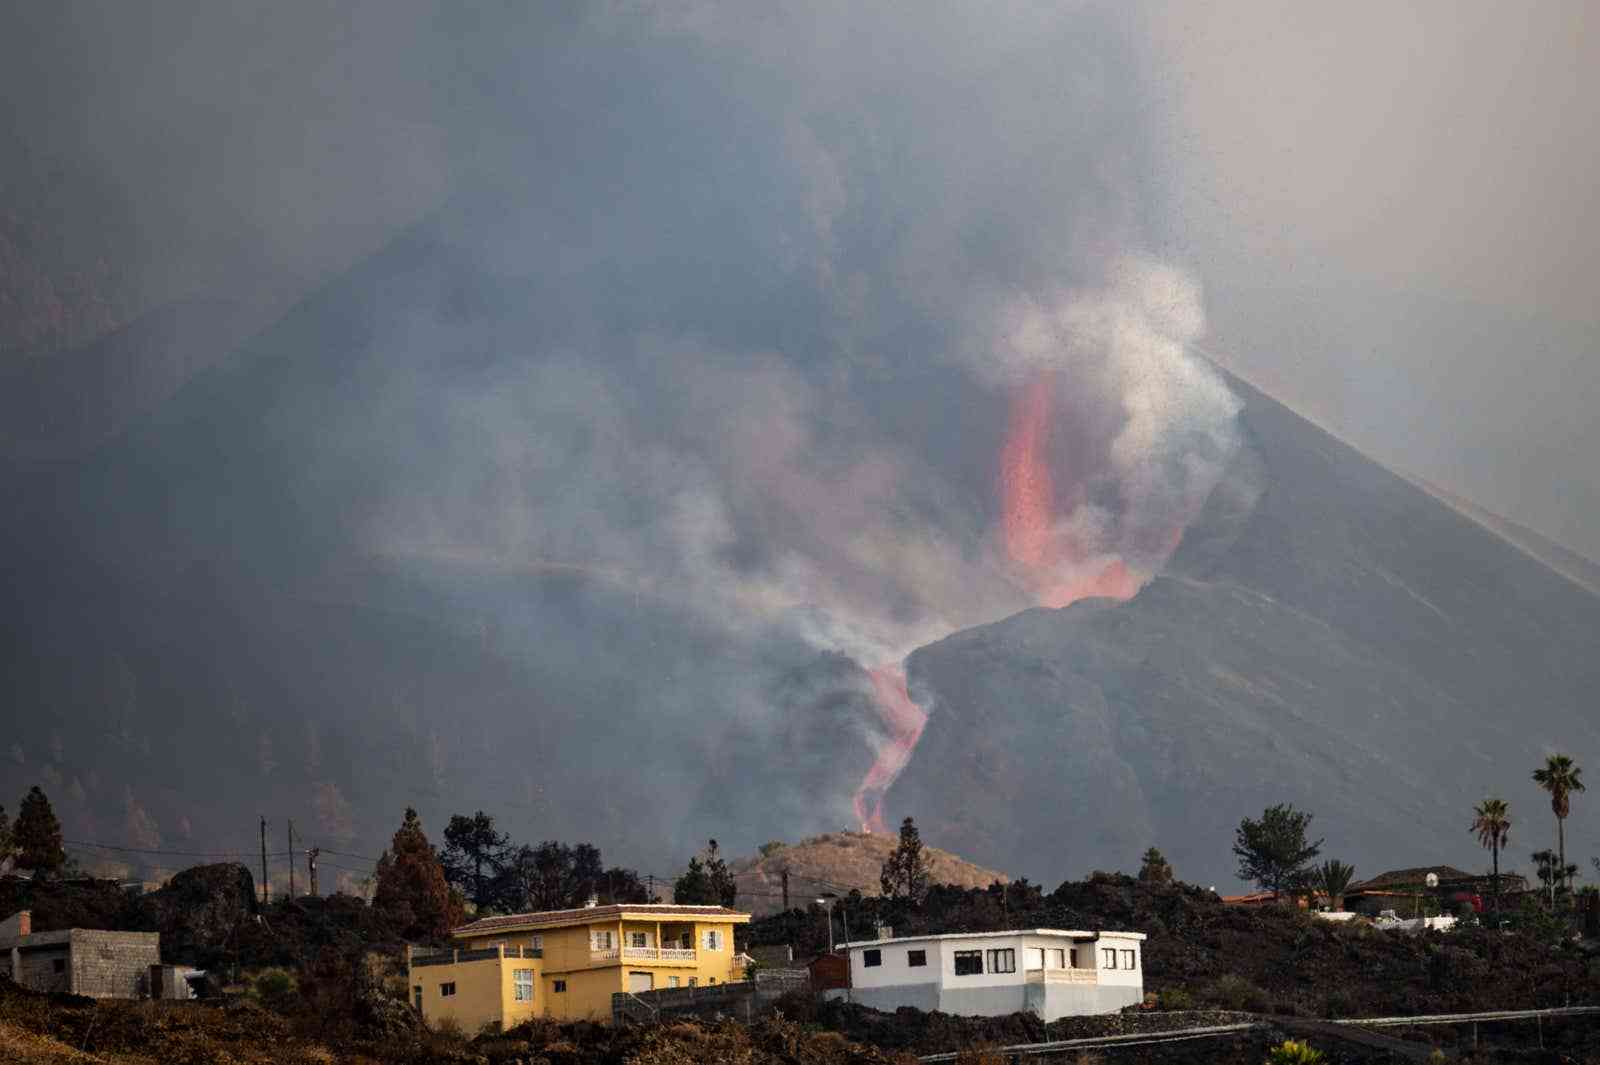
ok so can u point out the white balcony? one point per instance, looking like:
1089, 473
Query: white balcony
669, 955
1062, 976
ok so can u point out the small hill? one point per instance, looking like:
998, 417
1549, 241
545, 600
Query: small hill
838, 862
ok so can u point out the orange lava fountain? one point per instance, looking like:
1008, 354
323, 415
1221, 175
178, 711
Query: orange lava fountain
1026, 482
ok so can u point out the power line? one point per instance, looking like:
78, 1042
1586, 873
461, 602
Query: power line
159, 850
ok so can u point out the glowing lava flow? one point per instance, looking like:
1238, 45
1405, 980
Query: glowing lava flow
904, 720
1047, 559
1028, 512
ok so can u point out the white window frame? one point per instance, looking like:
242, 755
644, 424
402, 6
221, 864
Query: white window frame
1130, 959
537, 942
672, 981
1108, 957
711, 939
1058, 957
447, 988
522, 985
638, 939
1032, 955
600, 939
959, 956
1002, 960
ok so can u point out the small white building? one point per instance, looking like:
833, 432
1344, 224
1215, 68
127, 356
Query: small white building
1051, 972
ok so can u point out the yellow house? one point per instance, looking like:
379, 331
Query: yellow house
566, 964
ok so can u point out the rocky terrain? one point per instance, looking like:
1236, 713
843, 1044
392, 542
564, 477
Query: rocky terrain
839, 862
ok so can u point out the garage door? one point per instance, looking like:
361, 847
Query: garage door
638, 982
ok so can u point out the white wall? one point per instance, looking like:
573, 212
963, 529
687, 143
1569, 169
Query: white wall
1121, 975
894, 970
947, 970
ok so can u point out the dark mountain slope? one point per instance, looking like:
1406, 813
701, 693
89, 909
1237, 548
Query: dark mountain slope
1327, 634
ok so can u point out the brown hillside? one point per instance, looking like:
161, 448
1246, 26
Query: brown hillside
838, 862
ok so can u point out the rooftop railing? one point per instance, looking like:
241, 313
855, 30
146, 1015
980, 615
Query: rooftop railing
455, 957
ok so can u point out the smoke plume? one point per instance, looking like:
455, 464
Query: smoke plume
728, 340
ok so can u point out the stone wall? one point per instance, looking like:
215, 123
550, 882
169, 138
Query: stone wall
113, 964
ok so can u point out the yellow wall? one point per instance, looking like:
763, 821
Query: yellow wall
479, 998
587, 997
484, 988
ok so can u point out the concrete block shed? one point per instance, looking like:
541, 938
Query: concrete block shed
79, 961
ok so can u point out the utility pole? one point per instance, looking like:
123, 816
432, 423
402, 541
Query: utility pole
291, 857
650, 889
264, 890
311, 867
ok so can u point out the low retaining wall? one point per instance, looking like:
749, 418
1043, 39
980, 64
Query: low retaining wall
744, 1000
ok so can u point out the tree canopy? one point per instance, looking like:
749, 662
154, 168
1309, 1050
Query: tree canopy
1154, 868
36, 836
1334, 879
1273, 851
905, 871
474, 856
411, 888
707, 882
5, 839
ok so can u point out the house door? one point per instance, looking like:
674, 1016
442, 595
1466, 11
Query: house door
638, 982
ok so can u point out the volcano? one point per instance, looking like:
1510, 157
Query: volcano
214, 617
1327, 634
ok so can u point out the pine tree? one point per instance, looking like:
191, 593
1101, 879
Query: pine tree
707, 881
1155, 869
474, 848
411, 888
36, 836
905, 871
723, 887
693, 888
1274, 851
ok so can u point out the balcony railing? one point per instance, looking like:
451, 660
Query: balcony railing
655, 953
1062, 976
457, 956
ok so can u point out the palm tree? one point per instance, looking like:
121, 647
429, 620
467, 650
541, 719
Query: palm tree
1560, 776
1491, 820
1334, 878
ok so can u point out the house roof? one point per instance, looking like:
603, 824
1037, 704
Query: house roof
1396, 877
590, 914
1057, 933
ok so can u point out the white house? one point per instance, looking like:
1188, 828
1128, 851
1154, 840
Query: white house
1051, 972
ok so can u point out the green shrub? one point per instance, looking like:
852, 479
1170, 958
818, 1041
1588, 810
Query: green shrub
274, 989
1175, 998
1291, 1052
1234, 992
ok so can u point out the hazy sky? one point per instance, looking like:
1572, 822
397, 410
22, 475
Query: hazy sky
1393, 210
1389, 208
